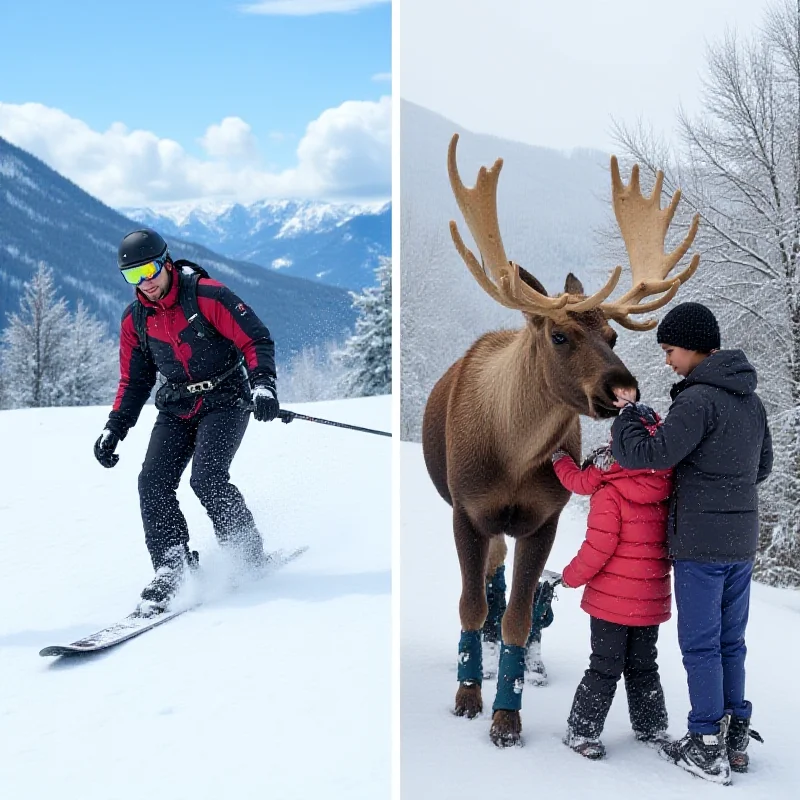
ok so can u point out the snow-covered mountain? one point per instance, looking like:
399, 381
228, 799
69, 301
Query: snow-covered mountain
46, 217
278, 690
444, 756
333, 243
550, 206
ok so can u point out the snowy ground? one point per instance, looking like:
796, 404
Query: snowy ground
280, 690
444, 756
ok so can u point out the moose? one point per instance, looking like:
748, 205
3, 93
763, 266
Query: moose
495, 417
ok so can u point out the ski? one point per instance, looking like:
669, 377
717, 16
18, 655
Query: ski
135, 624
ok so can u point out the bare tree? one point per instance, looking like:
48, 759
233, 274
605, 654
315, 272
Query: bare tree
738, 164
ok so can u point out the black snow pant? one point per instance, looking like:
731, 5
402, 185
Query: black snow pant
619, 650
211, 439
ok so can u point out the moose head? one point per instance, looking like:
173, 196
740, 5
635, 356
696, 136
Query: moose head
569, 335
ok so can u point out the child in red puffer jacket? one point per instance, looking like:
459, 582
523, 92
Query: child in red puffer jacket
624, 564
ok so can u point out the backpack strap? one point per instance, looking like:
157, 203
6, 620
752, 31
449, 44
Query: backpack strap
187, 297
184, 262
139, 314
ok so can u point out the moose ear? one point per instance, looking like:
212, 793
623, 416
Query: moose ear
531, 281
572, 285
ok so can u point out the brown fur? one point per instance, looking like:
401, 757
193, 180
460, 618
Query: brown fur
490, 426
494, 419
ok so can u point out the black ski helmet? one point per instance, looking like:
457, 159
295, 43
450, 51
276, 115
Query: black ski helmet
139, 247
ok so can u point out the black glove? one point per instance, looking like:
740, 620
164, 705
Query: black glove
104, 448
265, 400
646, 414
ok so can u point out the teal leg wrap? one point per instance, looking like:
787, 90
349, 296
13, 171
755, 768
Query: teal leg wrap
542, 611
470, 657
510, 678
496, 600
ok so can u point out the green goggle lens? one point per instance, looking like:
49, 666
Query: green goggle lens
144, 272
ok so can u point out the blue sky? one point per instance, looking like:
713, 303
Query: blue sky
176, 67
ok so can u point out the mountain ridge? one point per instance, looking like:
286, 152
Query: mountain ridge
334, 243
45, 217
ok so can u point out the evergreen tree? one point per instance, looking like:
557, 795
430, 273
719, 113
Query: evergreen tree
367, 356
35, 345
91, 362
51, 357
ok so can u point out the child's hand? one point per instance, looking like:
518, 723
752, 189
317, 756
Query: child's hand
559, 454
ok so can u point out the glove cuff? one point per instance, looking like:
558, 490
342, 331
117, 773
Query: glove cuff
559, 454
117, 428
262, 390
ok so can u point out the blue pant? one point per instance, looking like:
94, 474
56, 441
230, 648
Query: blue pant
713, 603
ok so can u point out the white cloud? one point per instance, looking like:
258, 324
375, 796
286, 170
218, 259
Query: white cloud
382, 76
345, 152
232, 138
349, 148
304, 8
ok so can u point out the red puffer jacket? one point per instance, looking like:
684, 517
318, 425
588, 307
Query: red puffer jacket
623, 560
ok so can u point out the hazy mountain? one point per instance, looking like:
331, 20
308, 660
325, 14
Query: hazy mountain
549, 204
333, 243
45, 217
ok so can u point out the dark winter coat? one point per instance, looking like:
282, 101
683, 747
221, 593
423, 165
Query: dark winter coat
178, 352
717, 438
623, 560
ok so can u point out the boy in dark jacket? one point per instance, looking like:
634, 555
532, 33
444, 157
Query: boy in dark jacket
624, 564
717, 439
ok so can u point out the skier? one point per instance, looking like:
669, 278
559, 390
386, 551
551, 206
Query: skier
717, 438
209, 369
624, 564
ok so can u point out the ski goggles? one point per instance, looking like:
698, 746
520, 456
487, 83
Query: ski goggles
145, 272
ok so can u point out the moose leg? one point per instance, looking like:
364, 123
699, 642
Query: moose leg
530, 555
496, 600
472, 549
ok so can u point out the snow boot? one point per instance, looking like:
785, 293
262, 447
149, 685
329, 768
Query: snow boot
586, 746
159, 593
739, 735
654, 739
704, 755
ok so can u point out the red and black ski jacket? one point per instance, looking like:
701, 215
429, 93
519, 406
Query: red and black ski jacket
177, 350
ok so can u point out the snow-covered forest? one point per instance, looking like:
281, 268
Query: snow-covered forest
738, 166
50, 356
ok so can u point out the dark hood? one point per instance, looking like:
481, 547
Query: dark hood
727, 369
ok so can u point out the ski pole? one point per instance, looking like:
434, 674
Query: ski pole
287, 416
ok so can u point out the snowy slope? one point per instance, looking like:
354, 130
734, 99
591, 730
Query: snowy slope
280, 690
444, 756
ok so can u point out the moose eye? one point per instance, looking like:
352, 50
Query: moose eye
558, 338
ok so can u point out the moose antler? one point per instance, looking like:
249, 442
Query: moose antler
503, 282
644, 225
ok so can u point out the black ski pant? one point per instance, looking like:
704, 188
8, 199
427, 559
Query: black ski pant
619, 650
211, 439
